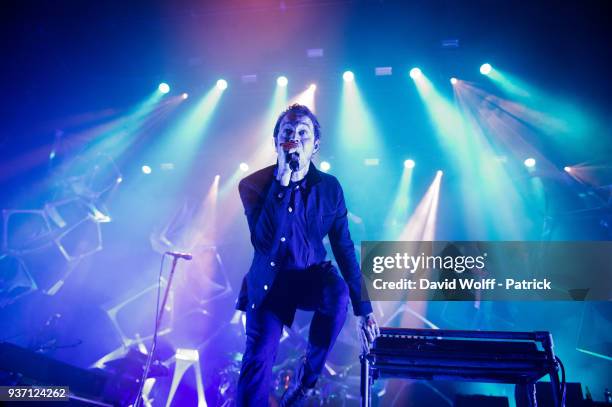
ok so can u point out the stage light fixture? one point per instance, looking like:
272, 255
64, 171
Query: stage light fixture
252, 78
485, 69
222, 84
185, 95
314, 53
312, 87
453, 80
348, 76
450, 43
282, 81
244, 167
164, 87
409, 163
567, 169
439, 173
530, 162
325, 166
415, 73
383, 71
146, 169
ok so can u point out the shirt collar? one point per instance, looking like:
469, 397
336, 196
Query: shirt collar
312, 176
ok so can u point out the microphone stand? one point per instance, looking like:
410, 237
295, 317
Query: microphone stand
158, 318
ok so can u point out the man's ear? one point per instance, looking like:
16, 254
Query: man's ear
317, 144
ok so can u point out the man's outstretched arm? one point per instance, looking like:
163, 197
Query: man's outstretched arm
344, 252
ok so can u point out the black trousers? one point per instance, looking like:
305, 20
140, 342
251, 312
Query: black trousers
319, 289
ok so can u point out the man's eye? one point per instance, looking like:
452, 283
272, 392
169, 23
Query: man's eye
303, 132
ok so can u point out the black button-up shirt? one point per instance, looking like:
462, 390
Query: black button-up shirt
287, 226
296, 252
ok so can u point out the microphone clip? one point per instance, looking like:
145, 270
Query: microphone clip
179, 255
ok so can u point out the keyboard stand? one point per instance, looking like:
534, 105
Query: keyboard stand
520, 358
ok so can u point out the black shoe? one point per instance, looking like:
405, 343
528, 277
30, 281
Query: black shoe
295, 397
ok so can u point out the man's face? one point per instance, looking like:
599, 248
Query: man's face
301, 130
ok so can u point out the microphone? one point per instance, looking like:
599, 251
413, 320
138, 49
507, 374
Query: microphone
179, 255
292, 158
294, 161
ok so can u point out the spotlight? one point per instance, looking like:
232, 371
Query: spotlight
244, 167
282, 81
185, 95
164, 87
415, 73
409, 163
567, 169
485, 69
146, 169
530, 162
325, 166
348, 76
222, 84
312, 87
439, 173
453, 80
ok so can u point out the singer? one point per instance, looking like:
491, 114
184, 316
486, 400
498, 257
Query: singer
290, 207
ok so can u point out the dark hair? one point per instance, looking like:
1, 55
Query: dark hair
298, 110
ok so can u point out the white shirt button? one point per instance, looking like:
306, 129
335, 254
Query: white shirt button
283, 239
252, 306
266, 287
272, 264
297, 187
280, 195
290, 209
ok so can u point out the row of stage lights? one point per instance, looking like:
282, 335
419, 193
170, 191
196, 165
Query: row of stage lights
416, 73
325, 166
165, 88
347, 76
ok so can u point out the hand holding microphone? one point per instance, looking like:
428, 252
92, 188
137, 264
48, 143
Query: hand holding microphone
293, 158
288, 161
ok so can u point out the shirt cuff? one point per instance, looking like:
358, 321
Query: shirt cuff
362, 308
